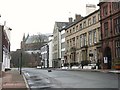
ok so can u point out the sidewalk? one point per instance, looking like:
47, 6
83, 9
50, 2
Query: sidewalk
12, 79
93, 70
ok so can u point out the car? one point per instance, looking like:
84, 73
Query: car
38, 66
64, 68
75, 67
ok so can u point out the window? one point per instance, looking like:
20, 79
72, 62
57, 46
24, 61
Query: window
62, 45
105, 10
77, 28
70, 42
89, 21
117, 43
117, 25
98, 17
81, 40
94, 19
73, 29
70, 30
84, 24
62, 54
115, 6
67, 31
73, 41
67, 44
99, 34
106, 29
63, 36
77, 37
90, 38
94, 36
85, 39
80, 26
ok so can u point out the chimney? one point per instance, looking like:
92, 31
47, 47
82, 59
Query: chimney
78, 17
90, 8
70, 19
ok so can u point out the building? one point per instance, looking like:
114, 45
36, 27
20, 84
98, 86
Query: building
50, 44
45, 56
110, 27
46, 53
57, 44
32, 45
90, 8
62, 41
83, 40
4, 48
34, 42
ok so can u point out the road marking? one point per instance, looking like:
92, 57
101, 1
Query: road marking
28, 74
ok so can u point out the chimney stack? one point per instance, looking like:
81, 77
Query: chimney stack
70, 19
78, 17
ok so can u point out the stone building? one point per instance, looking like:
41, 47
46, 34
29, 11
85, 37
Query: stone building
57, 44
83, 39
32, 45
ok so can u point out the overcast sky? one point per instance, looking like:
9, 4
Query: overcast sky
33, 16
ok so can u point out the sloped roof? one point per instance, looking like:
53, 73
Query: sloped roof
35, 39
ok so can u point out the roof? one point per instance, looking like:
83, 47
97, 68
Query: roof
75, 22
35, 39
60, 25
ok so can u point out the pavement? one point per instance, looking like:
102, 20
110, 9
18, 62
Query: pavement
13, 80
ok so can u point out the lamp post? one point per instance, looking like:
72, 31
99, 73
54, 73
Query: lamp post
21, 62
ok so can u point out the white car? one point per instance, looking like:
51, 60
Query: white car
64, 68
75, 67
38, 66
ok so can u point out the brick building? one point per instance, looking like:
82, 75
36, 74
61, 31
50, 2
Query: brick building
110, 28
4, 48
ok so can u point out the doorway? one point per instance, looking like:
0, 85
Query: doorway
107, 53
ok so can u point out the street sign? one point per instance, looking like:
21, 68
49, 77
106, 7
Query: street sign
105, 59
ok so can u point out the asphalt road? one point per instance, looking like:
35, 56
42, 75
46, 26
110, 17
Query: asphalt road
38, 78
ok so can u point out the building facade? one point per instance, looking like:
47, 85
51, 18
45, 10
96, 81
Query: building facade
83, 40
110, 27
34, 42
46, 53
45, 56
57, 44
62, 40
50, 44
4, 48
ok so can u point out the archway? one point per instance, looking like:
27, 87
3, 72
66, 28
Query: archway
107, 53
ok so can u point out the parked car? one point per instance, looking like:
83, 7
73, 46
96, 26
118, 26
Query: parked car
38, 66
64, 68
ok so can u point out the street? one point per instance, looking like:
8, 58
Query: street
38, 78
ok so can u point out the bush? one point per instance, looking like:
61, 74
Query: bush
85, 62
66, 64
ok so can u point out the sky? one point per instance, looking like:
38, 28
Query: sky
38, 16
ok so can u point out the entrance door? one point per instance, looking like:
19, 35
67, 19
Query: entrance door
107, 53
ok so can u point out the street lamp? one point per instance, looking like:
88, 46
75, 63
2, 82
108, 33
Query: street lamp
21, 63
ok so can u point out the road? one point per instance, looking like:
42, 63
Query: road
38, 78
